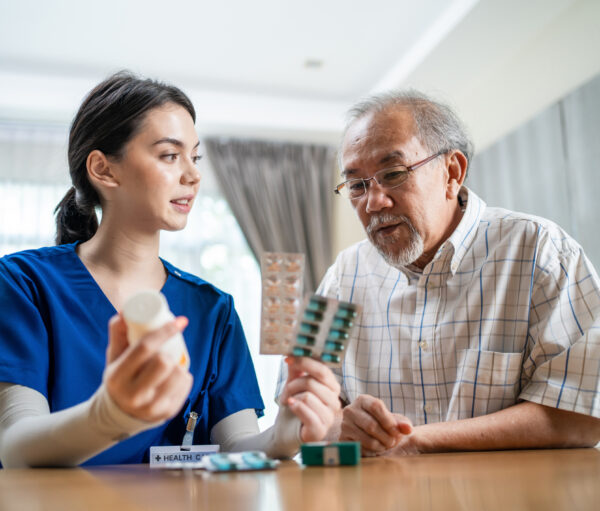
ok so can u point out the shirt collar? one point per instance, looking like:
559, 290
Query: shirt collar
462, 237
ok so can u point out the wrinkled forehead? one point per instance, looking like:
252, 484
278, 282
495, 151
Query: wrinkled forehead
375, 135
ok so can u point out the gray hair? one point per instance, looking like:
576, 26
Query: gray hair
438, 126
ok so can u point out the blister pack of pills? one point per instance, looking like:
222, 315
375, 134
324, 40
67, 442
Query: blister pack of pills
316, 327
324, 329
238, 461
282, 278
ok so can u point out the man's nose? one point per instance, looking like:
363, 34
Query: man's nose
378, 198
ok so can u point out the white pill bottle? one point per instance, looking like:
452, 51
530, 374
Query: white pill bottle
147, 311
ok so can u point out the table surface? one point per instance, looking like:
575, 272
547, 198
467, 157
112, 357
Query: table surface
503, 480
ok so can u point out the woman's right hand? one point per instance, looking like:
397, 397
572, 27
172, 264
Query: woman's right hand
312, 393
144, 382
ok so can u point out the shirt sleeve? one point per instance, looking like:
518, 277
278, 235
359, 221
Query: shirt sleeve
24, 343
234, 386
329, 286
239, 432
561, 367
31, 436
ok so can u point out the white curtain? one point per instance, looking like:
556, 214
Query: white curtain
549, 167
34, 177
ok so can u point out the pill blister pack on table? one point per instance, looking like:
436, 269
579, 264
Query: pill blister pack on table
239, 462
315, 326
246, 461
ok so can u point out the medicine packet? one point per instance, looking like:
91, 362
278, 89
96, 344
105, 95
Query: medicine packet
238, 462
282, 276
316, 326
330, 453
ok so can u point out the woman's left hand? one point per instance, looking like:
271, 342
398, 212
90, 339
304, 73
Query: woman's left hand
312, 394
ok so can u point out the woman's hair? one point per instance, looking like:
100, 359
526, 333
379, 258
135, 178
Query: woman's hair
108, 118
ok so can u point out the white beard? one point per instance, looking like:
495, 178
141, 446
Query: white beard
394, 256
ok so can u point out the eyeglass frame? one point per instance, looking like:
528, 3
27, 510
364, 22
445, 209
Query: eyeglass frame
408, 169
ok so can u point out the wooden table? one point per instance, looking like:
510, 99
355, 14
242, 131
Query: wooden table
509, 480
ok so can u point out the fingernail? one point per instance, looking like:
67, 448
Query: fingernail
291, 401
181, 322
405, 429
288, 360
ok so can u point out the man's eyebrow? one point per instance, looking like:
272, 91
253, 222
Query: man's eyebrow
174, 141
394, 155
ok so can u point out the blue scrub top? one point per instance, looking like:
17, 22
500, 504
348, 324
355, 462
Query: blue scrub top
53, 338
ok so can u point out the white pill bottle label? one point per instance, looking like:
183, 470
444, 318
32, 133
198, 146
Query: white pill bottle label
147, 311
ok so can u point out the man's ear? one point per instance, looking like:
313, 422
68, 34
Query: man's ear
100, 171
457, 171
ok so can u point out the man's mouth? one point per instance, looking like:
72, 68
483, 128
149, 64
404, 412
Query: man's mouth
387, 229
183, 202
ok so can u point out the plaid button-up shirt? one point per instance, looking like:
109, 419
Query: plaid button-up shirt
507, 310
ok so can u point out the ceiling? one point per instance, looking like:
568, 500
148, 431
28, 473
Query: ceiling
289, 70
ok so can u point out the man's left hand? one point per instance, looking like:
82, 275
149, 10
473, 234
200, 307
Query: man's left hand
379, 431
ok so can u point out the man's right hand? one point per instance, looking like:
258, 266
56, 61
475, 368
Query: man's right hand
368, 421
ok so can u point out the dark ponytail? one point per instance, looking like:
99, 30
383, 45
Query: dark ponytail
108, 118
73, 223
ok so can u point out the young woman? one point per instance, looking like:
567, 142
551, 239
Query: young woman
68, 399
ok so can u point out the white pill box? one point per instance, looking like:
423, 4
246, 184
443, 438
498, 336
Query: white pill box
147, 311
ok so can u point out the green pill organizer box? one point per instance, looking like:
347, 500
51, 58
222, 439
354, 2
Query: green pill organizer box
330, 453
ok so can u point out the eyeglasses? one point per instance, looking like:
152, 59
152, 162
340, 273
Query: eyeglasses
386, 178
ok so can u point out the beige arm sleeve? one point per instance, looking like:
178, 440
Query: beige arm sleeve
239, 432
31, 436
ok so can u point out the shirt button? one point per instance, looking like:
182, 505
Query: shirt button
454, 266
423, 345
428, 407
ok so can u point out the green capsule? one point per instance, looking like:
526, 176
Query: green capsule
337, 335
222, 462
301, 352
317, 303
307, 328
334, 346
341, 323
313, 316
346, 312
305, 340
330, 357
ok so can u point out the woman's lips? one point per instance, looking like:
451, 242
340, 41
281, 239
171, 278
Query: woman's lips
183, 205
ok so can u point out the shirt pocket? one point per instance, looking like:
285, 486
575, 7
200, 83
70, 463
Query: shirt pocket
487, 381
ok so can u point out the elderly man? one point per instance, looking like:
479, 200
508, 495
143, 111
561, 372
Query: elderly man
480, 326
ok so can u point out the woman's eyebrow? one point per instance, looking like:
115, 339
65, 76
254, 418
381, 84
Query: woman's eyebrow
174, 141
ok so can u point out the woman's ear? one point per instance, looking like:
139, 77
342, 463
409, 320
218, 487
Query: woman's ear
457, 171
100, 171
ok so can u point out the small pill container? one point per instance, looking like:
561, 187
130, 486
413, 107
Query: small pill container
147, 311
